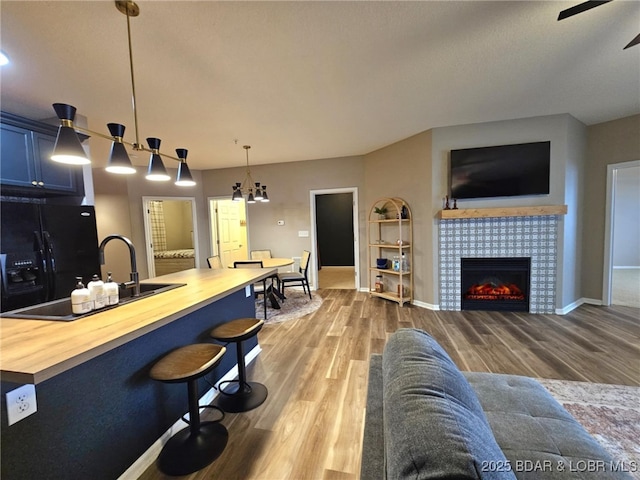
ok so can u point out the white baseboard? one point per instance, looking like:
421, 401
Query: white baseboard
147, 459
592, 301
576, 304
429, 306
417, 303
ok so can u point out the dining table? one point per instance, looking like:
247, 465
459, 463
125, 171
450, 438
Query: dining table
276, 262
273, 262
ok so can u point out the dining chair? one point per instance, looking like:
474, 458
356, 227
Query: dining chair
300, 277
214, 262
258, 288
258, 254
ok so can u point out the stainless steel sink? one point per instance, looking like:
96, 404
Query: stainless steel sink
60, 310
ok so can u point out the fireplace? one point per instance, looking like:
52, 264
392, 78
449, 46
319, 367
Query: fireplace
495, 283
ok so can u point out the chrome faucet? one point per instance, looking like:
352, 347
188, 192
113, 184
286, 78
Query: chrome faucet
135, 279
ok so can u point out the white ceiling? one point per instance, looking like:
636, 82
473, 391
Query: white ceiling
308, 80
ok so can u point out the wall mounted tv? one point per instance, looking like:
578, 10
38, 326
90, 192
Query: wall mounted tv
500, 171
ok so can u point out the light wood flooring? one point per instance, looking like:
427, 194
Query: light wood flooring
337, 278
316, 368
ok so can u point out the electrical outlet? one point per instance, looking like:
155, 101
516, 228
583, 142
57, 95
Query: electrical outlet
21, 403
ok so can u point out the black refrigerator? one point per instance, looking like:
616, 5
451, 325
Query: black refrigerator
43, 248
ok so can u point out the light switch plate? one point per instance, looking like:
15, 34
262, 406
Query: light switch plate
303, 233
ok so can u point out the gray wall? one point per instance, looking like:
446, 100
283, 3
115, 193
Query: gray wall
568, 141
611, 142
403, 170
414, 169
289, 186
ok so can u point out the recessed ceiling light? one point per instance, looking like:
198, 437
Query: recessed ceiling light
3, 59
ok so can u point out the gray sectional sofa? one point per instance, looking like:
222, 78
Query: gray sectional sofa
425, 419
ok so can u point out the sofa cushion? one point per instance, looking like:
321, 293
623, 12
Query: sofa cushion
538, 436
434, 424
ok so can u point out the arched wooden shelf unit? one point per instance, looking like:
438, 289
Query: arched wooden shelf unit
390, 237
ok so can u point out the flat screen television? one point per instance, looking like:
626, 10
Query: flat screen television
500, 171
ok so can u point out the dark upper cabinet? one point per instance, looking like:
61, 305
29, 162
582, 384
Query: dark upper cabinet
26, 167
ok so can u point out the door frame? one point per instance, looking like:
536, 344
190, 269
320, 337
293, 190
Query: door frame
612, 174
214, 243
313, 267
148, 237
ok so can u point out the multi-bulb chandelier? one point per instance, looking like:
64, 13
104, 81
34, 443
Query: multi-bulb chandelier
68, 148
253, 190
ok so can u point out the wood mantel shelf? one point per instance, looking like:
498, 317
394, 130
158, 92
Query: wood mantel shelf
529, 211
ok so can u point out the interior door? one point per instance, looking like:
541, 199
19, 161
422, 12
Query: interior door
231, 234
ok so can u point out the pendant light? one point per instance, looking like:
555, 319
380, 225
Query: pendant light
156, 171
184, 178
68, 148
253, 190
119, 161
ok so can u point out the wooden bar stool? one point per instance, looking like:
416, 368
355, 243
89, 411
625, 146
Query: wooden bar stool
199, 444
247, 395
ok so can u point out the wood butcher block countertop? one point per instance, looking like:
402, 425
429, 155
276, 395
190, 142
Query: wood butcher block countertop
32, 351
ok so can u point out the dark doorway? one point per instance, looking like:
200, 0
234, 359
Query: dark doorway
334, 228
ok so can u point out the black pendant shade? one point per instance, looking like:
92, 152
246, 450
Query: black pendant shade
119, 161
184, 178
237, 193
258, 195
68, 148
156, 171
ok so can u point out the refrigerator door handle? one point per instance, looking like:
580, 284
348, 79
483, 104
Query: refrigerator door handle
52, 263
40, 250
44, 264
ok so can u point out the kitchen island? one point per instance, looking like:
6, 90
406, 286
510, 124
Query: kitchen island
98, 411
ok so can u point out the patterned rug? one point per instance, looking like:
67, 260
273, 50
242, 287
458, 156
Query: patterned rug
295, 306
611, 413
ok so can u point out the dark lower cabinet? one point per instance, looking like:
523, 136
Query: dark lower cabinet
95, 420
26, 148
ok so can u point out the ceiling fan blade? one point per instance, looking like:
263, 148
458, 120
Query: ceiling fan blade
633, 42
582, 7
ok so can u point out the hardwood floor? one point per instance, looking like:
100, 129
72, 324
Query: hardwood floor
337, 278
316, 368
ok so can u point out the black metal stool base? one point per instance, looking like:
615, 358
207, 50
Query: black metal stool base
185, 453
242, 400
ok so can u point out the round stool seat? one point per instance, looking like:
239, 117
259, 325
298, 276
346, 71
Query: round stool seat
244, 395
185, 363
196, 446
237, 330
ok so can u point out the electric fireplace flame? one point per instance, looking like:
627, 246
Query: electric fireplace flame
492, 291
495, 283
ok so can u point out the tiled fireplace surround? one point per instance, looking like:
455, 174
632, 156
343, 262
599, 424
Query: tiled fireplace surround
526, 236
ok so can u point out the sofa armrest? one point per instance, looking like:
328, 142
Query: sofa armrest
372, 466
434, 425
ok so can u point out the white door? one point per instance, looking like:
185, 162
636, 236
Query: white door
231, 231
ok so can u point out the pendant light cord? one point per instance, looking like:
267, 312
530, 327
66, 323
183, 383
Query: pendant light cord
136, 145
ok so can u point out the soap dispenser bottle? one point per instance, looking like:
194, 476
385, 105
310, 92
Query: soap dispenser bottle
96, 290
81, 299
111, 291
